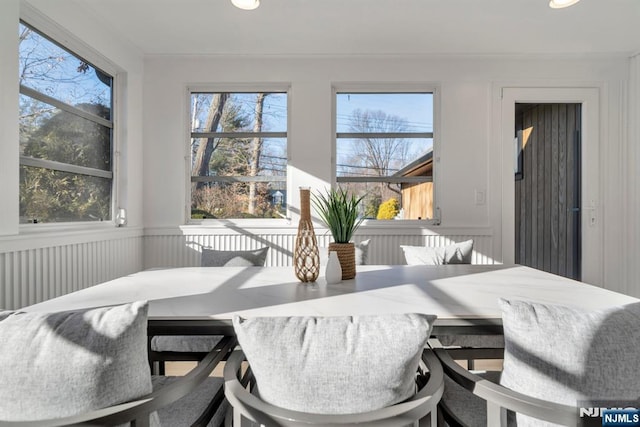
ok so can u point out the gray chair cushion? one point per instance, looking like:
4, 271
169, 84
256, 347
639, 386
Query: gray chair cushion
469, 408
458, 253
185, 411
185, 343
569, 356
252, 258
62, 364
362, 253
334, 365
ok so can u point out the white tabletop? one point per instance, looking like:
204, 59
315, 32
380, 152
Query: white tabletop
451, 292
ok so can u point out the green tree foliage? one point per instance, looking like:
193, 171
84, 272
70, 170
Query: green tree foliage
49, 195
372, 202
388, 209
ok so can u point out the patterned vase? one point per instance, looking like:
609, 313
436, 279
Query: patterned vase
306, 258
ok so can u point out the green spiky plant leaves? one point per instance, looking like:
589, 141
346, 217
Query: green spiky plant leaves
339, 211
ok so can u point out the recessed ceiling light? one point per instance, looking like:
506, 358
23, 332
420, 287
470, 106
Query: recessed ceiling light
559, 4
246, 4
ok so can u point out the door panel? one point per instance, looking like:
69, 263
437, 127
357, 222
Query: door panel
591, 227
548, 188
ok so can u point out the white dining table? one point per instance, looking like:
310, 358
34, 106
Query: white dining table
465, 298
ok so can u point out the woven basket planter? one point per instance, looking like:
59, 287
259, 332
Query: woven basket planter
347, 256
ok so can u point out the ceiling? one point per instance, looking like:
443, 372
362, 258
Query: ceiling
372, 27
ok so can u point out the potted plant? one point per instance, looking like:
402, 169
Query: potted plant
339, 211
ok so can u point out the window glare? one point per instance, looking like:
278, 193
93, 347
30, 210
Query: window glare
51, 70
57, 135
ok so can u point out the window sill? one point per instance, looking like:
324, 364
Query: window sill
40, 228
240, 223
33, 236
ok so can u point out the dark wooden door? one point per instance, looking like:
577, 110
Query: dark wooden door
547, 187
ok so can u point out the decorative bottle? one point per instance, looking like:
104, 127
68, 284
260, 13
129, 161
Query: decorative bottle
333, 270
306, 258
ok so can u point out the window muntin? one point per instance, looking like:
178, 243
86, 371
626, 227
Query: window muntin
66, 134
238, 154
384, 150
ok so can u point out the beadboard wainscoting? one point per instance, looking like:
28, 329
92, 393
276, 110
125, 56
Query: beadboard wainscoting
181, 247
39, 267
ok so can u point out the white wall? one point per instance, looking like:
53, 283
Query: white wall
631, 229
9, 149
469, 127
42, 261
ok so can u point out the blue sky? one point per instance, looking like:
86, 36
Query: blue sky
415, 108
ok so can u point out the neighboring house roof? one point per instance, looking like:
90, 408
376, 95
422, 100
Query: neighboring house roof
418, 167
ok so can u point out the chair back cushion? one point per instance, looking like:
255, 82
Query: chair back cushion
62, 364
334, 365
570, 356
457, 253
362, 252
252, 258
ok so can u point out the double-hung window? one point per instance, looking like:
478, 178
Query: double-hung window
238, 143
66, 133
385, 152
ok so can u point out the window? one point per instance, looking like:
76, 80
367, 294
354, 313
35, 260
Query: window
238, 154
66, 128
384, 151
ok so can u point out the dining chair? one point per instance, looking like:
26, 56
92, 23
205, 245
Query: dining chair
90, 367
333, 371
457, 253
173, 348
557, 360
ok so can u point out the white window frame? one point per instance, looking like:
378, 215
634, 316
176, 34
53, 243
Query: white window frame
385, 88
234, 88
76, 46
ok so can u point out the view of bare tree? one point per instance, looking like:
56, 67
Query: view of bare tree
256, 150
375, 155
244, 156
205, 150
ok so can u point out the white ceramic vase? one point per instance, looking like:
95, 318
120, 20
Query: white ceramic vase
333, 271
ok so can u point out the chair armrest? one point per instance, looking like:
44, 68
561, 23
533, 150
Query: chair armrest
496, 394
141, 408
401, 414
